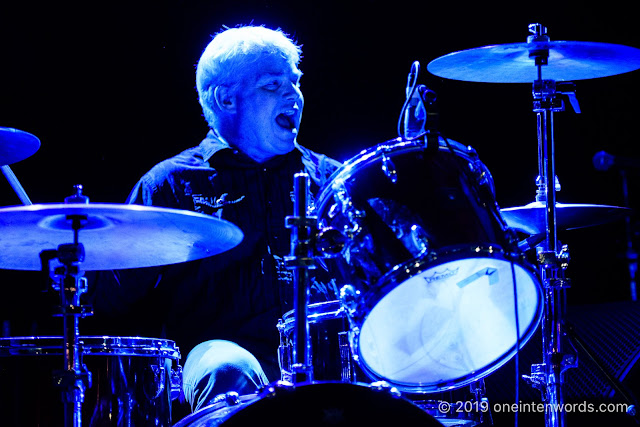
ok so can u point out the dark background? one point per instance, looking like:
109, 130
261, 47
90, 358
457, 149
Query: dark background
108, 88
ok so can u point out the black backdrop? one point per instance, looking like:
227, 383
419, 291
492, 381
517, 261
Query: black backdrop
108, 88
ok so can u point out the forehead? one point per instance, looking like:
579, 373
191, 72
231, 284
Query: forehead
271, 65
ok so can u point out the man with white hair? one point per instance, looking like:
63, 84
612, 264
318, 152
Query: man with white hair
225, 308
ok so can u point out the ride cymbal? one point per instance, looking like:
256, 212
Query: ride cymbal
515, 62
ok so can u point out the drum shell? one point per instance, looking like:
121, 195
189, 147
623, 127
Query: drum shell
331, 357
132, 380
423, 222
446, 195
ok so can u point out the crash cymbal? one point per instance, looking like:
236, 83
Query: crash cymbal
16, 145
114, 236
515, 63
531, 218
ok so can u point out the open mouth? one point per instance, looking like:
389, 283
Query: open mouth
285, 121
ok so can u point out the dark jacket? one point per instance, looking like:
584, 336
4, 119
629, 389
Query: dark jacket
238, 295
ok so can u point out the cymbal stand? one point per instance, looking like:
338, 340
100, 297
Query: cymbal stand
548, 98
69, 281
301, 261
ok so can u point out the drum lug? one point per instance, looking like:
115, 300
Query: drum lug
350, 299
420, 239
155, 387
284, 353
385, 387
330, 242
480, 173
230, 398
347, 372
273, 389
176, 383
389, 168
341, 196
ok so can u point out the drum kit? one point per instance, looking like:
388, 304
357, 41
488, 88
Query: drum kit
436, 291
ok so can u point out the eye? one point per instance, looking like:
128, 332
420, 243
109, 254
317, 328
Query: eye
272, 85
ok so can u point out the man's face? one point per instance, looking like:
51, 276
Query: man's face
268, 108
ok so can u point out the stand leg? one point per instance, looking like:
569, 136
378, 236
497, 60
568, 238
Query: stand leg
627, 396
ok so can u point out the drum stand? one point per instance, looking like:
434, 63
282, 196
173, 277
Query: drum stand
68, 280
306, 242
301, 261
549, 97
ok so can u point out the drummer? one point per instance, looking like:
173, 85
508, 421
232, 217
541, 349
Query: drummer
223, 310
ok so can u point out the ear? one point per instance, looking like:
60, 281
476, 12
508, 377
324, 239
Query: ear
225, 98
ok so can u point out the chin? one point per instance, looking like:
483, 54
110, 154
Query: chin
284, 147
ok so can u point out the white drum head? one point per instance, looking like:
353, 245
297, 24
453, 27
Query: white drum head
450, 324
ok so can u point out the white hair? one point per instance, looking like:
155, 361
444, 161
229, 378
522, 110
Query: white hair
230, 52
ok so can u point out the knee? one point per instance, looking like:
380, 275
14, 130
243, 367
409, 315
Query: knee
218, 366
219, 355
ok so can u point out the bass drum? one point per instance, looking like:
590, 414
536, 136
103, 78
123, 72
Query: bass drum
134, 381
434, 286
313, 405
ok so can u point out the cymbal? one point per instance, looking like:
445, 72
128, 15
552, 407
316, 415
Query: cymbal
512, 63
531, 218
114, 236
16, 145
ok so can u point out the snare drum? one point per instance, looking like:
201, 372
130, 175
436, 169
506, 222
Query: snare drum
133, 381
331, 357
433, 283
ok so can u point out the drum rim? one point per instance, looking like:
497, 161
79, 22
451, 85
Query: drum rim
418, 264
314, 313
453, 253
406, 270
367, 156
198, 415
90, 345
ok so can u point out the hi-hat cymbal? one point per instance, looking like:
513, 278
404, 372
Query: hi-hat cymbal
531, 218
114, 236
16, 145
515, 62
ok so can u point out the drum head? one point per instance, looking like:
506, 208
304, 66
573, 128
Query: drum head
90, 345
449, 324
318, 404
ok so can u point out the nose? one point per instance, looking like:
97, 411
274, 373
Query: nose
294, 93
